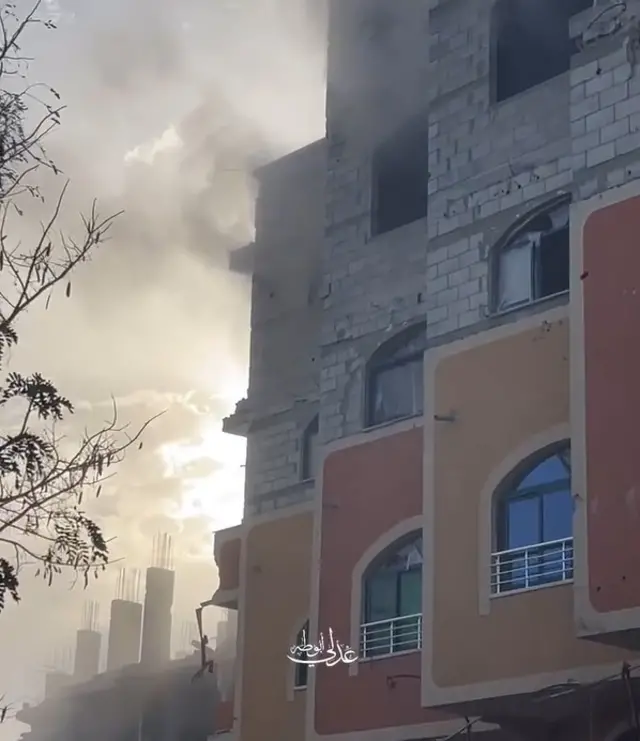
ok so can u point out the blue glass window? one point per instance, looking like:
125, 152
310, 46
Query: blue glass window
535, 526
393, 601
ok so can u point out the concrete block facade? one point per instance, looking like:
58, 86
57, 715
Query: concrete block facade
489, 164
285, 328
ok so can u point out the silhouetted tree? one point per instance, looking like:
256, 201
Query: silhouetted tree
43, 474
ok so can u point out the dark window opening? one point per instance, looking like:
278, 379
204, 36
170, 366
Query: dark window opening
400, 182
531, 42
310, 451
534, 264
395, 384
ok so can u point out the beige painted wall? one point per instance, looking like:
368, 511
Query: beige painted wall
504, 392
277, 576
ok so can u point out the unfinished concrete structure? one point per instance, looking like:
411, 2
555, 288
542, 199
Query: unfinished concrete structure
468, 518
125, 623
156, 700
88, 644
158, 602
136, 703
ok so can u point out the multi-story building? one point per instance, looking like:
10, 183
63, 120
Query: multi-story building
441, 462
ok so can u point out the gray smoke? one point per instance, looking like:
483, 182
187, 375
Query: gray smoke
171, 104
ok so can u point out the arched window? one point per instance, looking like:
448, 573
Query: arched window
301, 671
533, 263
534, 524
392, 601
395, 384
309, 463
531, 43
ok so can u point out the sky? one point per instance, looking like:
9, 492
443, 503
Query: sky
170, 105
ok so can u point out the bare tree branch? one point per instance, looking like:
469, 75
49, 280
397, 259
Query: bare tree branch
45, 476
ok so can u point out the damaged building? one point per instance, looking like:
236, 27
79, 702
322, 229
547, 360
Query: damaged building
145, 694
440, 421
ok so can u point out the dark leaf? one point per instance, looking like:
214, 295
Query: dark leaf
8, 582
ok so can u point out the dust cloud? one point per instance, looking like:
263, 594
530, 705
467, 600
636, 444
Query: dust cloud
170, 106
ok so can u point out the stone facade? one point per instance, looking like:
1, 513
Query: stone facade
489, 165
285, 328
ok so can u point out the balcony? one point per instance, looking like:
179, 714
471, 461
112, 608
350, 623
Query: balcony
532, 567
390, 637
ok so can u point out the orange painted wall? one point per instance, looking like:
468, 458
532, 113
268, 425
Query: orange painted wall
367, 489
224, 716
611, 284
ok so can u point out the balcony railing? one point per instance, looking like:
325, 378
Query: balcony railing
386, 637
533, 566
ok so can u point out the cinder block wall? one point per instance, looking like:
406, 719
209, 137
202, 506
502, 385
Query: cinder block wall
316, 322
489, 165
285, 326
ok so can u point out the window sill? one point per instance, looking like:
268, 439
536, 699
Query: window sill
416, 228
300, 689
391, 422
524, 590
529, 91
531, 304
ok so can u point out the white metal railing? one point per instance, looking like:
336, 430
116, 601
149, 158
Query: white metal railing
533, 566
386, 637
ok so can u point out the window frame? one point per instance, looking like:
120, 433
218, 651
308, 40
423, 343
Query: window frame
512, 493
395, 352
508, 240
378, 567
507, 493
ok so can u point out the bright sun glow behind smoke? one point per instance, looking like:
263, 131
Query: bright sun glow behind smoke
218, 496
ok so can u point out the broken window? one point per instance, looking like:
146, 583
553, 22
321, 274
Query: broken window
534, 263
400, 180
310, 450
395, 388
531, 42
